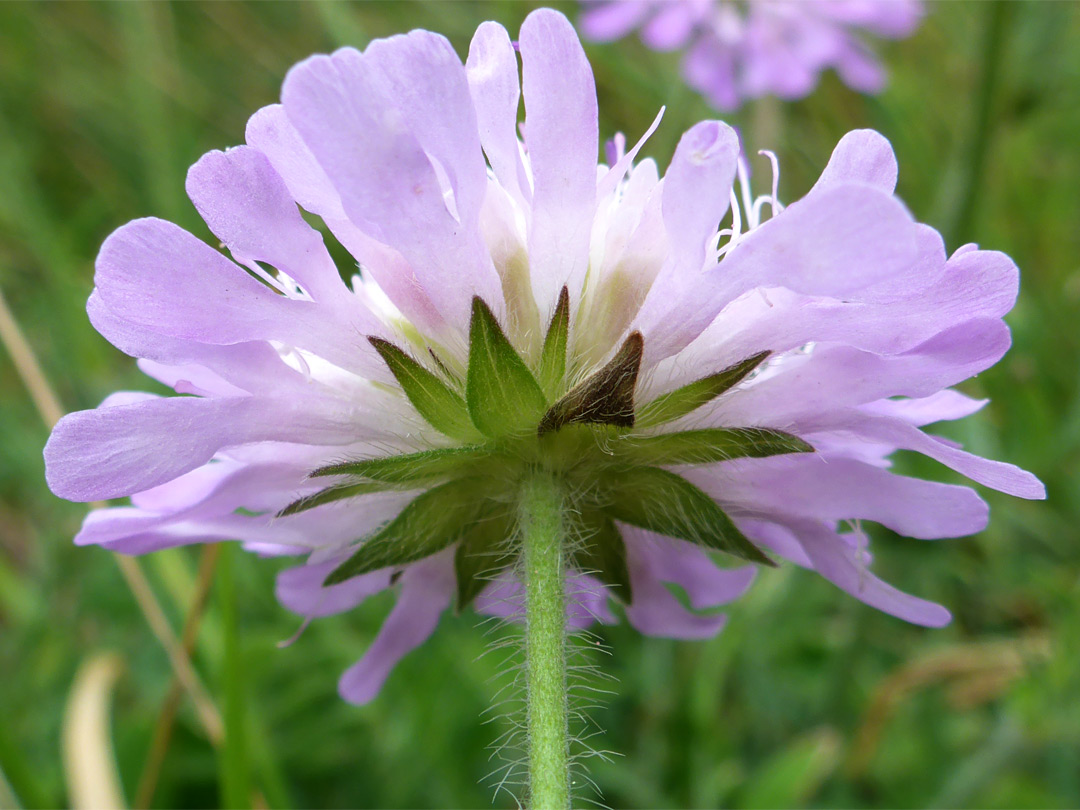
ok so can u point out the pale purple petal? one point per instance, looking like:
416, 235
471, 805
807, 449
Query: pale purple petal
155, 274
301, 589
113, 452
656, 612
426, 590
587, 599
424, 77
859, 69
997, 475
248, 207
492, 71
709, 68
838, 376
696, 194
343, 109
689, 567
836, 242
608, 21
562, 136
190, 378
670, 27
253, 366
943, 406
861, 156
839, 563
270, 131
697, 191
842, 489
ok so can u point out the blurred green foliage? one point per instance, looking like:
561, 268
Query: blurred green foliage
808, 698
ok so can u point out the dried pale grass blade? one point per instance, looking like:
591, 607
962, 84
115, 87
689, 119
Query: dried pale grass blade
28, 367
89, 763
7, 795
50, 410
974, 672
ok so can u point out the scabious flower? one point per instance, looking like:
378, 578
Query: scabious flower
688, 389
737, 51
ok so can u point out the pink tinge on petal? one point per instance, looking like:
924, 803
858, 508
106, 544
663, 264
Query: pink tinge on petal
811, 486
301, 589
861, 156
563, 140
427, 587
836, 560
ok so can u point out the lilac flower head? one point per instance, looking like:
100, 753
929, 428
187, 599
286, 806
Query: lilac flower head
737, 51
519, 307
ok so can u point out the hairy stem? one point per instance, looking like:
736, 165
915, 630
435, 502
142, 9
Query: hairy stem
541, 519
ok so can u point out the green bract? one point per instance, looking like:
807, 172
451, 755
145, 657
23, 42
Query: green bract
580, 425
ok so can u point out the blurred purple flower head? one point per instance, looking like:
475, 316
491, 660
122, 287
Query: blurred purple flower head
736, 388
744, 50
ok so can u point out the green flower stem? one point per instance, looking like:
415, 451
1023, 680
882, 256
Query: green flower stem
541, 518
234, 778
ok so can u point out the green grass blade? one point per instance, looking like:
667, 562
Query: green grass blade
234, 769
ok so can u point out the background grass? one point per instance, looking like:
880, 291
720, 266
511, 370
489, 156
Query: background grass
808, 698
